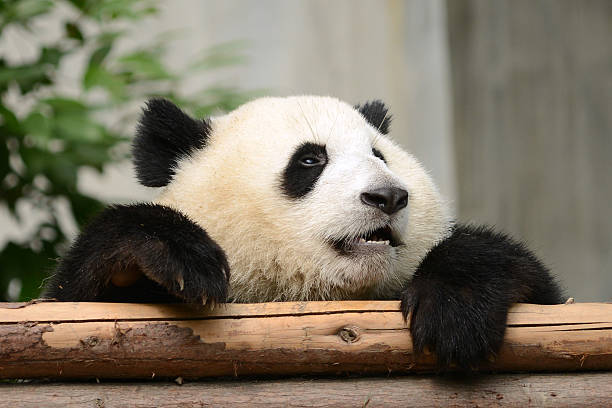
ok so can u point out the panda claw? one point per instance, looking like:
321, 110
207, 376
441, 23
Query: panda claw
181, 283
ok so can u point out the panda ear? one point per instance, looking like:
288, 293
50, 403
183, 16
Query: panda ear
377, 114
165, 134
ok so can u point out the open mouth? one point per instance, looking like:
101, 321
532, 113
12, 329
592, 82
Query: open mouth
380, 239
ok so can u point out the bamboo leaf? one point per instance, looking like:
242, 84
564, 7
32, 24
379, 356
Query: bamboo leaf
97, 76
145, 63
73, 31
77, 127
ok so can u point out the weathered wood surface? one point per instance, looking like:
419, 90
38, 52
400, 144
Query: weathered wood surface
518, 390
98, 340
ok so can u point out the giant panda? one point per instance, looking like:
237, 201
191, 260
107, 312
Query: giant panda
301, 198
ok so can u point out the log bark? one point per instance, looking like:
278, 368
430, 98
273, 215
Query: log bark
507, 390
134, 341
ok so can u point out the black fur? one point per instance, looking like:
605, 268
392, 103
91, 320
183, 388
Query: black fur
298, 179
165, 134
378, 154
377, 114
460, 294
162, 244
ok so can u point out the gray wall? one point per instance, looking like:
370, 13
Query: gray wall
532, 103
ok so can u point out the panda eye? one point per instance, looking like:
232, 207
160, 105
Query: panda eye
311, 160
304, 168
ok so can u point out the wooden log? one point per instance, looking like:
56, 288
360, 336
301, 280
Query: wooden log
507, 390
131, 341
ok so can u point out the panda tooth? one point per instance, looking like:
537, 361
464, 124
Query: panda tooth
386, 242
362, 241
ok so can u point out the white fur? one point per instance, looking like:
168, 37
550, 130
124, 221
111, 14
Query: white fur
277, 246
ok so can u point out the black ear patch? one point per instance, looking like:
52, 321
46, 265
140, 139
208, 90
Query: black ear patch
377, 114
164, 135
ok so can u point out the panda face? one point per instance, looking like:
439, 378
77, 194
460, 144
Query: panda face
309, 201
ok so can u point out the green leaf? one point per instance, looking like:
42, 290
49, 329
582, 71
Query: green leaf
5, 168
30, 76
26, 9
20, 12
84, 207
30, 266
109, 37
80, 4
10, 196
9, 122
61, 105
221, 55
38, 127
51, 55
227, 98
121, 9
60, 171
73, 31
88, 155
145, 63
77, 128
97, 76
98, 56
63, 176
27, 77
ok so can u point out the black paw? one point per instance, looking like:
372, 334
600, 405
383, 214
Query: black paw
459, 327
108, 260
196, 273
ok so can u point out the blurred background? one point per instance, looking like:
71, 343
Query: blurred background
507, 103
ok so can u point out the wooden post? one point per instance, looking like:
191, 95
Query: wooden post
136, 341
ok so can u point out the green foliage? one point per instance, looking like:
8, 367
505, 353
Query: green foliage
46, 136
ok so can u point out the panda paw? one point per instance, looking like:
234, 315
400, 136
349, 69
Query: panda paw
458, 328
200, 278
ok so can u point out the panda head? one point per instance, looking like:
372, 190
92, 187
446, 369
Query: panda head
306, 195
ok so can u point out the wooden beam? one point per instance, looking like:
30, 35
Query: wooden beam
504, 390
98, 340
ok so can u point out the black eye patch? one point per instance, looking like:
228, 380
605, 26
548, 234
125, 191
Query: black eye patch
378, 154
303, 170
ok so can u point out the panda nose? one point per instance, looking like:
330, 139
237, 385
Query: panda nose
388, 199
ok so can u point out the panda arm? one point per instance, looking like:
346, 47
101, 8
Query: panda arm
459, 296
143, 252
